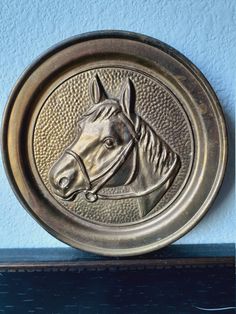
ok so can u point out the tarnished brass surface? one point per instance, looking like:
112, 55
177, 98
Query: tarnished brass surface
115, 143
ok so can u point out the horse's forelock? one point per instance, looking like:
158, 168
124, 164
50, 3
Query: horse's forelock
103, 110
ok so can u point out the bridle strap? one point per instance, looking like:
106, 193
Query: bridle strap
91, 193
140, 194
119, 161
82, 167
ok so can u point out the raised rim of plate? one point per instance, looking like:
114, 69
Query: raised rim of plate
148, 41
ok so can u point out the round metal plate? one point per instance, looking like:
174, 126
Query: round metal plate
115, 143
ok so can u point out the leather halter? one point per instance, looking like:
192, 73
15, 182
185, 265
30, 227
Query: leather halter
91, 190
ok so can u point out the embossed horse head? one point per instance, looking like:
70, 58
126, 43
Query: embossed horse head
115, 147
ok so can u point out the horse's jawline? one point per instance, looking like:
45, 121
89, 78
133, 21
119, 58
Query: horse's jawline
71, 197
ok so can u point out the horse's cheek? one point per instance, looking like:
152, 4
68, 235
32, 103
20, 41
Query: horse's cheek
92, 159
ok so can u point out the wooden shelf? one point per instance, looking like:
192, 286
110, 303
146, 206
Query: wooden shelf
177, 279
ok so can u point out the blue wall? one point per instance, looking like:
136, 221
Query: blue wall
205, 31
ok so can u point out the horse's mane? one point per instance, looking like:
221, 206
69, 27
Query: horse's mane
157, 152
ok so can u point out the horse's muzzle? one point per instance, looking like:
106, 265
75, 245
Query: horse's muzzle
65, 177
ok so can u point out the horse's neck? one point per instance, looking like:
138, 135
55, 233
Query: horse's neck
155, 158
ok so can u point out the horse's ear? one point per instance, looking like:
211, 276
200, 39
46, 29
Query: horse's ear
96, 90
127, 99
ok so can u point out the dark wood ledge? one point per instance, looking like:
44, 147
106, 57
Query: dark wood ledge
178, 279
72, 259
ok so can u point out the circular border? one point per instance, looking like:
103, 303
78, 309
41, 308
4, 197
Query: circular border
56, 219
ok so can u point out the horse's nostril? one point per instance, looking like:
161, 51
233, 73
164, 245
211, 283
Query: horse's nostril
63, 182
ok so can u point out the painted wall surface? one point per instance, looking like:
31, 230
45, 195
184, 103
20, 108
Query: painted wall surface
205, 31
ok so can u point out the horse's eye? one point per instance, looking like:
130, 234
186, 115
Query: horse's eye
109, 142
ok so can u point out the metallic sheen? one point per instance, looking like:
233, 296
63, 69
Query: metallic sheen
115, 143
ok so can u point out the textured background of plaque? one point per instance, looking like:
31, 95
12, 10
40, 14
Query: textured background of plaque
58, 121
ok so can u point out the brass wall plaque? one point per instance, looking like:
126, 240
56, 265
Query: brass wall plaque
115, 143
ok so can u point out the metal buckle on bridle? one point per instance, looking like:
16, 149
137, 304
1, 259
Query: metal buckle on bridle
90, 196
